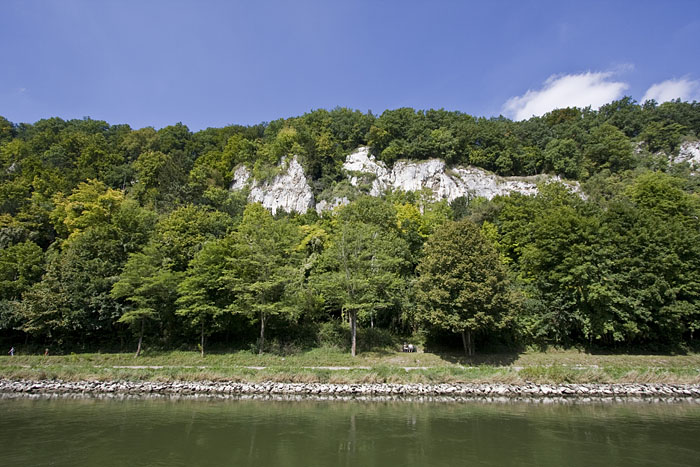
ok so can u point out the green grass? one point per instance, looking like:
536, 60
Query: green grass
564, 366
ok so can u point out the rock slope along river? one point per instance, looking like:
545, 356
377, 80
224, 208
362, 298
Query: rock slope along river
688, 392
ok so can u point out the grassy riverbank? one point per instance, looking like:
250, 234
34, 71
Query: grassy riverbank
334, 366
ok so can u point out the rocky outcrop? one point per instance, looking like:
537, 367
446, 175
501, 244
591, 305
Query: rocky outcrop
324, 205
432, 175
290, 190
689, 152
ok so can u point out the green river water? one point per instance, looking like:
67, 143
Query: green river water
157, 432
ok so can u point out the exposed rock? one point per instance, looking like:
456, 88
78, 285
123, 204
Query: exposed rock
432, 175
689, 152
241, 177
360, 161
544, 393
288, 191
324, 205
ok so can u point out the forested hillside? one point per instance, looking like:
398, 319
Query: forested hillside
112, 236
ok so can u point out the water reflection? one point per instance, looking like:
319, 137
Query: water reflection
311, 433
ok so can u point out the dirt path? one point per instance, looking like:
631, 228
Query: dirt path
203, 367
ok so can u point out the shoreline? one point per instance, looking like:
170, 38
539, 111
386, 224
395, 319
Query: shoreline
649, 392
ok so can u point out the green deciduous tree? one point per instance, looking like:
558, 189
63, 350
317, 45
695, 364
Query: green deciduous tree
91, 205
159, 179
361, 270
181, 234
149, 289
609, 148
663, 136
263, 266
21, 265
564, 157
461, 285
204, 297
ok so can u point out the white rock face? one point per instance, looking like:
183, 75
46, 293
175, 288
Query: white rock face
288, 191
240, 178
324, 205
360, 161
431, 174
689, 152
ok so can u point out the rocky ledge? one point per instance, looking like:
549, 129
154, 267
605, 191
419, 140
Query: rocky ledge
289, 190
411, 390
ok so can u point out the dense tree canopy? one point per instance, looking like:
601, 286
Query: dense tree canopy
360, 271
111, 235
263, 267
461, 284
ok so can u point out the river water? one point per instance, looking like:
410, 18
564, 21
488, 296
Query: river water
155, 432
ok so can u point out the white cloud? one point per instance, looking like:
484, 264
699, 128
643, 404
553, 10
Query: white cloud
559, 91
670, 89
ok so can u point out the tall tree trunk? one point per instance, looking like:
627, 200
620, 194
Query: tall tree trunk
138, 347
467, 342
262, 333
201, 342
353, 330
470, 341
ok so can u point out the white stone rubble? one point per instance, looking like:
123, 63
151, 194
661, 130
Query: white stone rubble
449, 391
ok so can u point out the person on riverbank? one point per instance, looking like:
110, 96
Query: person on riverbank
12, 352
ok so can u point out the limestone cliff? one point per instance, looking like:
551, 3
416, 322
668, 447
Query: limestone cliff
290, 190
433, 175
689, 152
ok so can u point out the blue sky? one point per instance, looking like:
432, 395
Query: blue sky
213, 63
